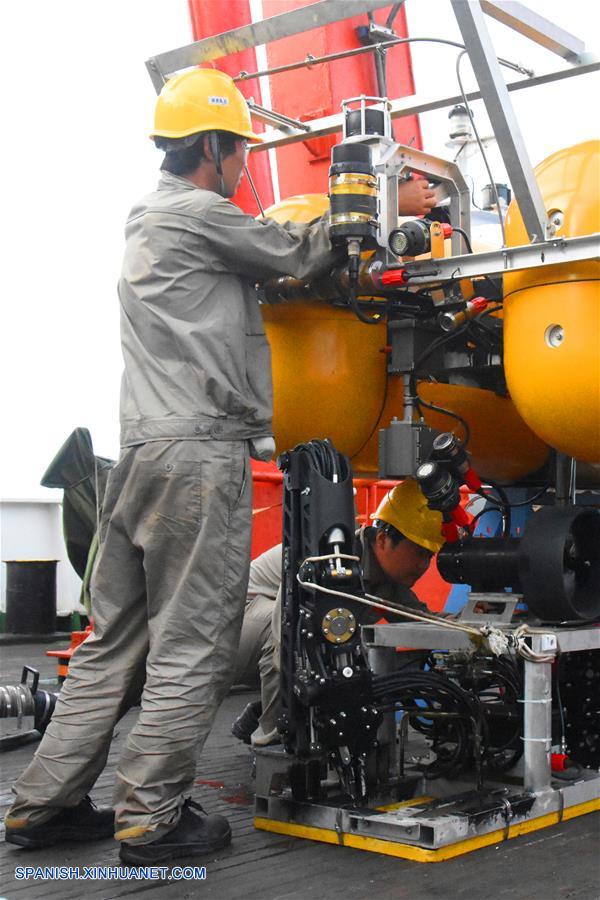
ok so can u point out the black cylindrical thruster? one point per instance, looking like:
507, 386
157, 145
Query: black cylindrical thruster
487, 564
559, 563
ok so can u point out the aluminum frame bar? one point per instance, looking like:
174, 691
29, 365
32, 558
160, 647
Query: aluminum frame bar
508, 259
408, 106
535, 27
537, 723
426, 636
447, 173
504, 122
323, 12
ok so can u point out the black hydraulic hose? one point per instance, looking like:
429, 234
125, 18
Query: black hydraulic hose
439, 342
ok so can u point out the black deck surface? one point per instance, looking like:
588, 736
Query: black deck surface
557, 863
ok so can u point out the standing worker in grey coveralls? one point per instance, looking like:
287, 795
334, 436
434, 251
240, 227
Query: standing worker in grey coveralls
170, 579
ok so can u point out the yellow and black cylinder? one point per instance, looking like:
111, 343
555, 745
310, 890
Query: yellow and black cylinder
353, 194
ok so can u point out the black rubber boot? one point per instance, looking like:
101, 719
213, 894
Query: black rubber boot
192, 835
247, 722
83, 822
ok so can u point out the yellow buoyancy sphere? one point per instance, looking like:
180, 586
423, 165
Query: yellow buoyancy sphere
552, 314
330, 380
329, 371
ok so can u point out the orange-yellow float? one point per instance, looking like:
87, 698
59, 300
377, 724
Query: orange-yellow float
552, 314
330, 370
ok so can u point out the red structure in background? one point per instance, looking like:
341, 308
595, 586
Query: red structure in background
306, 94
213, 18
310, 93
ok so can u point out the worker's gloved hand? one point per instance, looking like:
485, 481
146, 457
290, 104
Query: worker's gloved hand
415, 197
262, 448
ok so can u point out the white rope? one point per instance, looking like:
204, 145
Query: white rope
519, 636
497, 641
396, 610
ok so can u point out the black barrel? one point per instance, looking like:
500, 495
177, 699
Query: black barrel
31, 596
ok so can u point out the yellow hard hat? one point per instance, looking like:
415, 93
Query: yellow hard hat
405, 507
201, 100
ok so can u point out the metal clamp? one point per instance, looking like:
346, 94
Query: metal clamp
525, 700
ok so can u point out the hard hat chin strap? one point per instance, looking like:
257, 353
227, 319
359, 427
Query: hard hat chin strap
215, 149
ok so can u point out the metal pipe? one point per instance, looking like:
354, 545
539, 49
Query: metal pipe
565, 469
273, 28
380, 47
253, 189
274, 117
512, 147
537, 722
414, 105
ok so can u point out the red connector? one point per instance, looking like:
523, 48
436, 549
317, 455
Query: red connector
559, 762
460, 517
450, 532
472, 479
394, 276
479, 303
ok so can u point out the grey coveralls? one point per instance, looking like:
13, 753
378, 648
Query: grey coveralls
256, 662
266, 620
172, 569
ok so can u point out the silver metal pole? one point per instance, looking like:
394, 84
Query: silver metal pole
538, 29
407, 106
537, 721
504, 122
324, 12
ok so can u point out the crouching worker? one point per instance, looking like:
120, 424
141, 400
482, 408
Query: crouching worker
395, 552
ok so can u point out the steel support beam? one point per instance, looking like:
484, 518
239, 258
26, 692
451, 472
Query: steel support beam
509, 259
535, 27
315, 15
502, 117
405, 106
537, 722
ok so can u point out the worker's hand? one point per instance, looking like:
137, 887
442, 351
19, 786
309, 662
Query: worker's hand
415, 197
262, 448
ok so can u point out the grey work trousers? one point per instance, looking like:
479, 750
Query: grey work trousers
169, 590
256, 662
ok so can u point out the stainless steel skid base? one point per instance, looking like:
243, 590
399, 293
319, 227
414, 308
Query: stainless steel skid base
410, 822
427, 829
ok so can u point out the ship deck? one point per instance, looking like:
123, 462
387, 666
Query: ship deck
559, 863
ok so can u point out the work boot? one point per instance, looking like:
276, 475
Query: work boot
84, 822
192, 835
247, 722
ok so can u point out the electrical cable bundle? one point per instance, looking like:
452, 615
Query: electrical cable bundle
475, 720
327, 461
419, 402
440, 710
497, 683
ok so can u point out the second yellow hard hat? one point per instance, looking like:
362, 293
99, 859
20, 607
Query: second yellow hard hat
405, 507
201, 100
